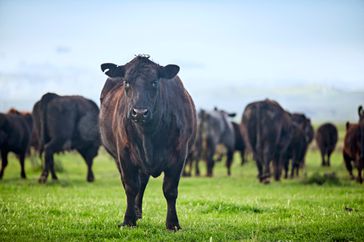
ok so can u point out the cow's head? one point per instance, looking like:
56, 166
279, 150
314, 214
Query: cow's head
142, 80
361, 113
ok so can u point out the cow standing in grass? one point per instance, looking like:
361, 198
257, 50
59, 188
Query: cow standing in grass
301, 136
15, 136
326, 139
66, 123
148, 124
217, 130
352, 150
268, 129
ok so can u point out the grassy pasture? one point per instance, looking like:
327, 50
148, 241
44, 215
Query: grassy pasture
210, 209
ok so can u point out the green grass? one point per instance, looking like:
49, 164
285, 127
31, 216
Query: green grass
210, 209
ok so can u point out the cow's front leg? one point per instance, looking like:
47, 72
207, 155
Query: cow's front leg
170, 191
143, 179
131, 184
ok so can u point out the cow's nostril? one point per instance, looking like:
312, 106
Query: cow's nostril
146, 112
134, 112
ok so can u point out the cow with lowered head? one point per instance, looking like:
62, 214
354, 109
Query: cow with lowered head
268, 128
326, 139
66, 123
217, 129
301, 136
15, 136
148, 124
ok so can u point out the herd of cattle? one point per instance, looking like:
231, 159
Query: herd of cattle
147, 122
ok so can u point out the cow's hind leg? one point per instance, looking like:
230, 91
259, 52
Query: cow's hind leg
360, 169
50, 148
143, 180
323, 163
4, 163
22, 169
88, 156
197, 167
348, 165
229, 161
170, 191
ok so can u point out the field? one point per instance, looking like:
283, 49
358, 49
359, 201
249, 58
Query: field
210, 209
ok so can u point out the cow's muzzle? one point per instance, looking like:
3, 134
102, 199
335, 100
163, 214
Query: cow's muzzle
140, 115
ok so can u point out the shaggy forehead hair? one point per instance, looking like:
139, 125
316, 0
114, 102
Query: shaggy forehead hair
141, 66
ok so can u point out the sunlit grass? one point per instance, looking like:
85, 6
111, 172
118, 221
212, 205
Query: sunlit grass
218, 209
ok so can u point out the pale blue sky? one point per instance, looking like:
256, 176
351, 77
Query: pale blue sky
59, 45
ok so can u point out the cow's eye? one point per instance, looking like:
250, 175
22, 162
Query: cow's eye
154, 83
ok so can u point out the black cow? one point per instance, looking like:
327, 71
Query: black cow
15, 136
268, 129
66, 123
326, 139
148, 124
302, 135
217, 129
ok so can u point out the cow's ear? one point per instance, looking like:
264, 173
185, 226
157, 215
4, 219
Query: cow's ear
168, 71
360, 111
347, 125
112, 70
232, 115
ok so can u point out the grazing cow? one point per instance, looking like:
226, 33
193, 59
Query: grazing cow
66, 123
217, 129
302, 135
352, 150
268, 129
148, 124
15, 135
326, 139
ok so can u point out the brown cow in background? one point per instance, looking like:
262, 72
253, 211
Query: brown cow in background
326, 139
352, 150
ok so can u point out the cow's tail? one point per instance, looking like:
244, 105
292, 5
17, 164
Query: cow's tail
46, 98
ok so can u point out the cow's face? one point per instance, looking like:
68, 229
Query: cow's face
142, 83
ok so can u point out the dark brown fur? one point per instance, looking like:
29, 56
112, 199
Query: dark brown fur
326, 139
352, 150
148, 124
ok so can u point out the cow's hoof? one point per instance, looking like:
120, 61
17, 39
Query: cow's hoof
173, 227
54, 178
266, 181
138, 213
90, 179
127, 224
42, 180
